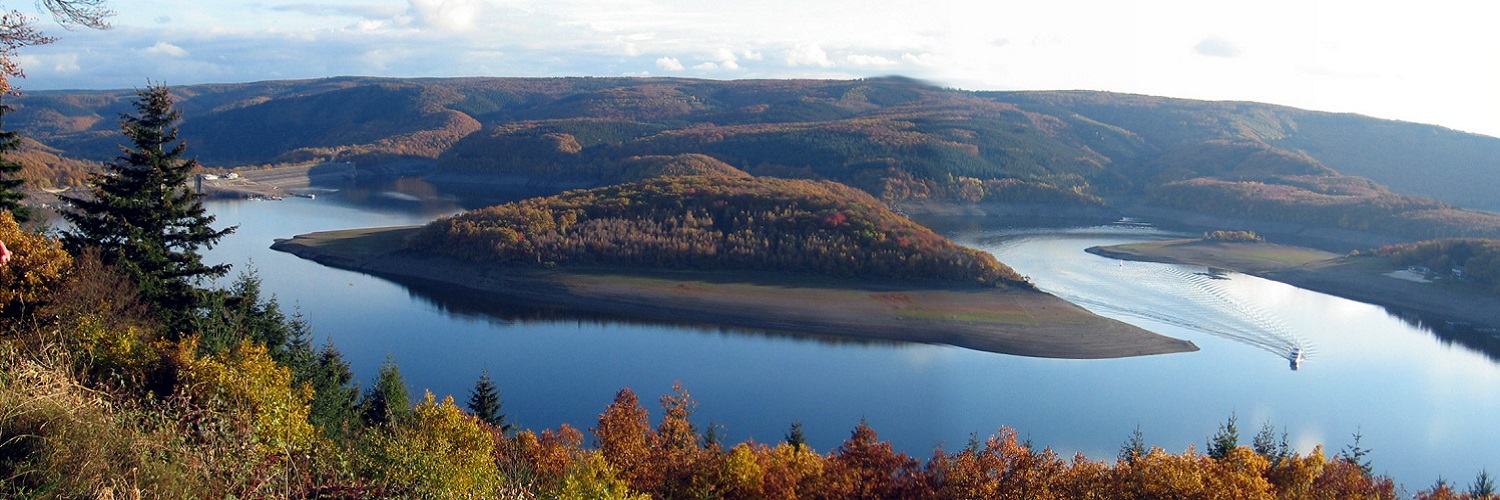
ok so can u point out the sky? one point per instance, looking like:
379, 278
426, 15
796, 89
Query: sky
1434, 62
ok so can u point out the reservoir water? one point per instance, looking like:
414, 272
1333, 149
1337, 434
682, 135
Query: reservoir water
1423, 399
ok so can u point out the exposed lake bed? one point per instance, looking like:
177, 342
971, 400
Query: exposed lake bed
1009, 321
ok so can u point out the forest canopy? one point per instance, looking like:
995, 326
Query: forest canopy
715, 223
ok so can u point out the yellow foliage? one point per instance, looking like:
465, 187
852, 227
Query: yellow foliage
594, 479
114, 346
441, 452
36, 269
743, 471
250, 385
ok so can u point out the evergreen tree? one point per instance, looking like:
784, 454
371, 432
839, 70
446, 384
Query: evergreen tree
143, 217
387, 401
10, 182
1484, 485
1357, 454
1135, 448
227, 317
795, 437
484, 401
1225, 440
335, 403
1266, 444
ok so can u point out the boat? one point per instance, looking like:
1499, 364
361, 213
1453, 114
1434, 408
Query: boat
1296, 357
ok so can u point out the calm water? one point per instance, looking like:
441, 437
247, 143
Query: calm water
1422, 402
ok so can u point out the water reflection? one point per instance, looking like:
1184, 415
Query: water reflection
1196, 298
501, 310
1482, 339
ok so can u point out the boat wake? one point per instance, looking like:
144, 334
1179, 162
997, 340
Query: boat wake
1190, 297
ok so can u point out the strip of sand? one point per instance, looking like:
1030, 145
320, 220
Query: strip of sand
1361, 278
1013, 321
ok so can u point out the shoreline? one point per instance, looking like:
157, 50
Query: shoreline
1010, 321
1360, 279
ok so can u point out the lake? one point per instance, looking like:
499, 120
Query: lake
1422, 398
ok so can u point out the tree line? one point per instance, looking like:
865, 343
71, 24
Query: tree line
1328, 201
1471, 260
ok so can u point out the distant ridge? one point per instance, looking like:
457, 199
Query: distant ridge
894, 138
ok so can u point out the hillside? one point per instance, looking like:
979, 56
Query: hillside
897, 139
714, 223
1409, 158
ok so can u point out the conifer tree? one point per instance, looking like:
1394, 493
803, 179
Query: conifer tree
335, 403
1225, 440
1134, 448
387, 401
10, 182
143, 217
794, 436
484, 401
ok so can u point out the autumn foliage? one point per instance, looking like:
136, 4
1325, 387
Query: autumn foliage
719, 223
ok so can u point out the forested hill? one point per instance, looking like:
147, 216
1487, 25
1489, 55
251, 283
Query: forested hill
715, 223
895, 138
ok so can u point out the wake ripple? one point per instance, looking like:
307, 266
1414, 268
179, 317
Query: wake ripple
1194, 298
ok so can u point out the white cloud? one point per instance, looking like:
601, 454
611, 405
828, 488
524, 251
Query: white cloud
726, 59
707, 66
447, 15
66, 63
868, 60
1214, 46
751, 55
808, 55
167, 49
669, 64
923, 59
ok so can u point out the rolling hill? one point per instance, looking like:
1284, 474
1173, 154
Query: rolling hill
894, 138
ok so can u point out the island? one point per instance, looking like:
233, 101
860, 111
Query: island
1380, 276
794, 256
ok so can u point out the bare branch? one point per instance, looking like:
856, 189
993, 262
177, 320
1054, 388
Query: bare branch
87, 13
16, 31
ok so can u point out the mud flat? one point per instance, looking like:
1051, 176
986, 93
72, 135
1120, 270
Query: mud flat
1010, 321
1366, 279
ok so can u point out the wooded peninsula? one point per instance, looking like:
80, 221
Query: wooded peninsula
782, 255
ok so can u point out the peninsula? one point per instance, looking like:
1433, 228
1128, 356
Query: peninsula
1365, 277
791, 256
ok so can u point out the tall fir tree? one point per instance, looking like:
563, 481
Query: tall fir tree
386, 402
11, 195
484, 401
143, 217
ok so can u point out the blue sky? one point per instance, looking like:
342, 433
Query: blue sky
1437, 62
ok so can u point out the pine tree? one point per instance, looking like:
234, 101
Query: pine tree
795, 437
143, 217
1135, 448
335, 403
10, 182
1225, 440
484, 401
387, 401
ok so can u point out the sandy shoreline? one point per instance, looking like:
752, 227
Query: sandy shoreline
1362, 279
1020, 322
